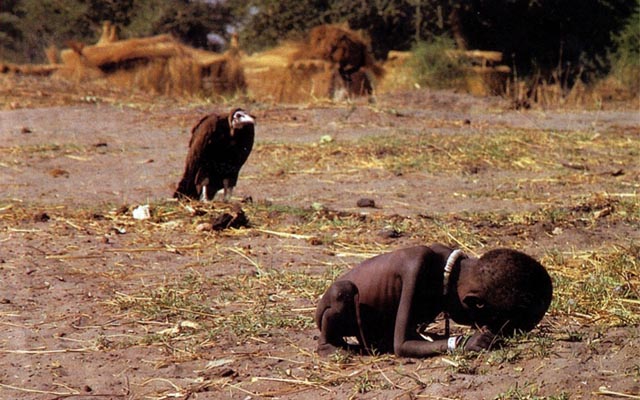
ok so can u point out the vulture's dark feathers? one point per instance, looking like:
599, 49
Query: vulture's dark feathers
218, 148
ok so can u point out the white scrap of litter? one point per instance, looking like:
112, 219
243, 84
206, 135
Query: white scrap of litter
142, 212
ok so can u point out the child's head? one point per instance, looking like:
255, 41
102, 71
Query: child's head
512, 291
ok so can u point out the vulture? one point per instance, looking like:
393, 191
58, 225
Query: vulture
218, 148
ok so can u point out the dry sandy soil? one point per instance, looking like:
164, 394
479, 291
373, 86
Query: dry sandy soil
96, 304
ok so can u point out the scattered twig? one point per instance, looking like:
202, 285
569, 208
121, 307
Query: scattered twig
292, 381
27, 390
284, 234
80, 350
603, 391
71, 256
259, 269
152, 248
148, 381
578, 167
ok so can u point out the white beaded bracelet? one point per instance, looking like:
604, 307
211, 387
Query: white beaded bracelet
452, 342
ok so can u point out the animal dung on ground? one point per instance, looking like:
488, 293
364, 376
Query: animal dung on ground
218, 148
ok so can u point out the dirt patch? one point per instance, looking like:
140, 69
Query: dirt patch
96, 303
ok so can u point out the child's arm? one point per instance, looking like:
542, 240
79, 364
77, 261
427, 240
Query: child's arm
481, 340
405, 347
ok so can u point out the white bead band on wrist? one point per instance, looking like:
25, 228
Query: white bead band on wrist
452, 342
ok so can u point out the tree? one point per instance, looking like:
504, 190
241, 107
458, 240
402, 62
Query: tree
47, 22
536, 36
189, 21
192, 21
10, 32
391, 24
263, 23
546, 36
29, 26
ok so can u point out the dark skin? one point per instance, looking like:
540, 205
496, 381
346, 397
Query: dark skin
383, 300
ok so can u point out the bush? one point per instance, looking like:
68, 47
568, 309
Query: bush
432, 66
625, 60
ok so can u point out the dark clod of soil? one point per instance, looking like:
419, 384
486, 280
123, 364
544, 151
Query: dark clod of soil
41, 217
59, 172
221, 222
122, 210
366, 202
226, 220
389, 233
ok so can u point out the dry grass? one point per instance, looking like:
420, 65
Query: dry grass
522, 150
261, 302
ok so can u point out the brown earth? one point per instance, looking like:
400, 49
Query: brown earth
79, 277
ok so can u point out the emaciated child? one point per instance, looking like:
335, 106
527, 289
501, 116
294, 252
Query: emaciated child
384, 300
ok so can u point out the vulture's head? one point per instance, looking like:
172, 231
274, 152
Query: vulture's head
239, 118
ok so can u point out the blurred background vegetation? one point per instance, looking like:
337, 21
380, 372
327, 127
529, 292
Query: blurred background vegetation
584, 39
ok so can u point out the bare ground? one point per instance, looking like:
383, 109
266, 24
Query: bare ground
96, 304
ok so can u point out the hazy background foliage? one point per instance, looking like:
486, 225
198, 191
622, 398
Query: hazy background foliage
433, 70
626, 54
581, 37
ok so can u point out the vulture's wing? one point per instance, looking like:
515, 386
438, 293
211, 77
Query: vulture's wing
203, 135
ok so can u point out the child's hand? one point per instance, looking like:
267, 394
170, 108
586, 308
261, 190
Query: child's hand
483, 339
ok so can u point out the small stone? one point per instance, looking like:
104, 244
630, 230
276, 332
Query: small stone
366, 202
389, 233
204, 227
59, 172
326, 139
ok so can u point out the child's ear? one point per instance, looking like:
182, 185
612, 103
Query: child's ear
473, 302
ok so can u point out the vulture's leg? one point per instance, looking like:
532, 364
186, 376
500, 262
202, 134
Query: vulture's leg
203, 194
227, 190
